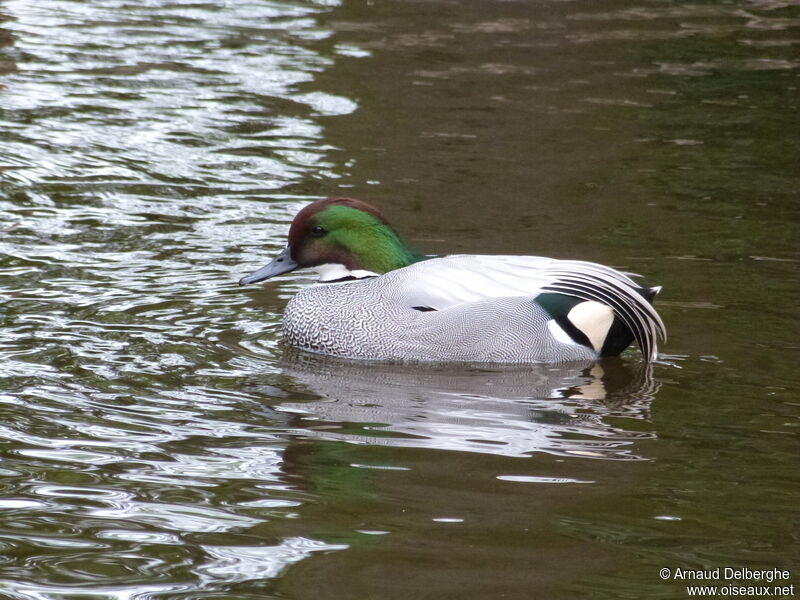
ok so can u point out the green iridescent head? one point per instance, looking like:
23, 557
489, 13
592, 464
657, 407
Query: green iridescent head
341, 238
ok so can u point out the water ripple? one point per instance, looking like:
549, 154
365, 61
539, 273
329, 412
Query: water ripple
158, 442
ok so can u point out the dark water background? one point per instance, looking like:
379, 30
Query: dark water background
157, 442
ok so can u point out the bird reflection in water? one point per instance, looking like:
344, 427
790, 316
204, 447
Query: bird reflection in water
512, 411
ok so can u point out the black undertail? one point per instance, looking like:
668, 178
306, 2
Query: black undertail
620, 335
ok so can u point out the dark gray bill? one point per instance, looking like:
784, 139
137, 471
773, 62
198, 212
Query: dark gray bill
282, 263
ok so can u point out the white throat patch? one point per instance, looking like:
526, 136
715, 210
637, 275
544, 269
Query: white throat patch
334, 271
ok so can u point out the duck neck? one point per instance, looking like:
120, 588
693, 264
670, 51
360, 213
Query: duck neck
383, 251
370, 244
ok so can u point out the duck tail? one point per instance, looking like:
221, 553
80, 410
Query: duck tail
634, 315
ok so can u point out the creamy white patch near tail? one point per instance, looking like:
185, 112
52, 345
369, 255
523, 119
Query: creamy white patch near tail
594, 320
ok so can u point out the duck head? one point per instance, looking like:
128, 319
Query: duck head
342, 238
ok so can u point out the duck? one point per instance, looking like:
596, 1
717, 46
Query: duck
377, 299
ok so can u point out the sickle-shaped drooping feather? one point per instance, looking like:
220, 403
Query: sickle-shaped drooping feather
622, 295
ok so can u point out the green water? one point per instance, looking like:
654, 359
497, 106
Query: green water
157, 442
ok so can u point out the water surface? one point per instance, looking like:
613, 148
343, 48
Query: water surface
158, 442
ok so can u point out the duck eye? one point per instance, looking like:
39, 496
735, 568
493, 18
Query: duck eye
318, 231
